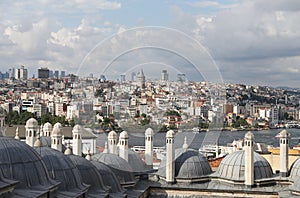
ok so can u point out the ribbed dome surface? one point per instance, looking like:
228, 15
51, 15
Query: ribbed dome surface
21, 162
136, 162
61, 168
109, 178
89, 174
232, 167
295, 173
188, 164
118, 165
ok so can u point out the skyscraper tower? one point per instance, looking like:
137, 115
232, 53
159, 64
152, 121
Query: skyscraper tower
164, 75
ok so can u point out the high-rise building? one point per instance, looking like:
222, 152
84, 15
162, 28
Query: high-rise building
62, 74
164, 75
133, 75
140, 78
21, 74
56, 74
181, 78
43, 72
122, 78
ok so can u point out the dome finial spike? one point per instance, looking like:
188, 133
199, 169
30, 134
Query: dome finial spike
105, 148
17, 137
185, 145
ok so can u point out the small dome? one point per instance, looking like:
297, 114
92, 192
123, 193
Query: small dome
77, 129
47, 127
123, 135
112, 135
170, 134
31, 123
109, 178
188, 164
18, 161
118, 165
61, 168
56, 131
284, 134
232, 167
249, 136
295, 170
57, 125
137, 164
89, 175
149, 132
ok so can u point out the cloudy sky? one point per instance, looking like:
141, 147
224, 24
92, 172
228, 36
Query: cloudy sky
243, 41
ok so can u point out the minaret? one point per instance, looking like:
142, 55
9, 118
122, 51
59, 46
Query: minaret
56, 137
47, 129
77, 140
32, 128
249, 159
149, 147
112, 142
123, 145
17, 137
170, 162
284, 148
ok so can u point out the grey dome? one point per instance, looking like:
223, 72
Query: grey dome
18, 161
295, 175
61, 168
118, 165
189, 164
89, 175
137, 164
232, 167
109, 178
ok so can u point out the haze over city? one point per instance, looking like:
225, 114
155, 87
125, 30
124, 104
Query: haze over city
251, 41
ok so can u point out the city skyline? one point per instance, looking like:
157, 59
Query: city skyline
252, 42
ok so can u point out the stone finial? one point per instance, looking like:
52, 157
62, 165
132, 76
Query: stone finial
88, 155
68, 151
17, 137
185, 145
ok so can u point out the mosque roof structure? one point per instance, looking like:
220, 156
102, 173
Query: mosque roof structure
118, 165
61, 168
32, 122
90, 175
109, 178
188, 164
22, 163
232, 167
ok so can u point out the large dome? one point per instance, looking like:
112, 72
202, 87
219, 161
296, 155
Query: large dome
118, 165
295, 175
189, 164
232, 167
61, 168
89, 175
20, 162
109, 178
137, 164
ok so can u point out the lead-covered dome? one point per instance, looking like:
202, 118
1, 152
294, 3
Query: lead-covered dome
109, 178
189, 164
295, 176
232, 167
118, 165
62, 169
20, 162
89, 175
